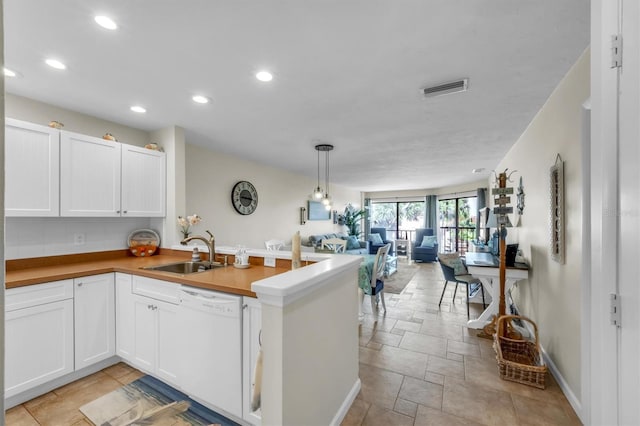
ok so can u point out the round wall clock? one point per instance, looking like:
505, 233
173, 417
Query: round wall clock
244, 197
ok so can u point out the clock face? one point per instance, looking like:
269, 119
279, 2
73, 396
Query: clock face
244, 197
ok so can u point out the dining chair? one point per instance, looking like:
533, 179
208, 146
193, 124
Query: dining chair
377, 278
274, 244
337, 245
454, 270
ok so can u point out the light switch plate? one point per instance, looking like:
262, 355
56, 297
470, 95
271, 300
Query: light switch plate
270, 261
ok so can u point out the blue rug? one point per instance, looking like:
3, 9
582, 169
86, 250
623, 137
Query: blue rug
150, 401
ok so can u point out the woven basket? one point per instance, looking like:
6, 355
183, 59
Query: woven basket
519, 360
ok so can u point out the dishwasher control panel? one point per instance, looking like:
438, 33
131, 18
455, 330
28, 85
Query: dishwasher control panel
213, 302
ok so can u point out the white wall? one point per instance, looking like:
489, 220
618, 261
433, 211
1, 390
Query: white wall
2, 252
37, 112
210, 177
552, 295
28, 237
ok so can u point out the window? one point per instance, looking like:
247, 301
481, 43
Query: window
400, 218
457, 221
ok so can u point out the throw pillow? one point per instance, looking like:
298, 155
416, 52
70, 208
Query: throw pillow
353, 243
429, 241
458, 267
375, 239
452, 260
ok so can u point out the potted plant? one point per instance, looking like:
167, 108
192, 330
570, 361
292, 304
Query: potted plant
351, 219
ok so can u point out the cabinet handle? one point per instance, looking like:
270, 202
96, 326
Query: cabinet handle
245, 306
149, 306
118, 211
79, 284
124, 211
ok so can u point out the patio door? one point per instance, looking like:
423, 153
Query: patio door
457, 219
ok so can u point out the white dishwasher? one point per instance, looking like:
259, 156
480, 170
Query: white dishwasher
211, 370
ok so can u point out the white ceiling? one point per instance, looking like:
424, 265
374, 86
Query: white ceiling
346, 72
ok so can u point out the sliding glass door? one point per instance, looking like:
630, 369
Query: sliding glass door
457, 219
399, 218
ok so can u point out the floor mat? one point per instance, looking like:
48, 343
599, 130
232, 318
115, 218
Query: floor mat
148, 401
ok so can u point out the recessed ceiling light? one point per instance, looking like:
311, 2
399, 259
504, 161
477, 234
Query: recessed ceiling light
106, 22
200, 99
478, 170
54, 63
264, 76
138, 108
9, 73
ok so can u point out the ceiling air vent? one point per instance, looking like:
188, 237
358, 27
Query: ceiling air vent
446, 88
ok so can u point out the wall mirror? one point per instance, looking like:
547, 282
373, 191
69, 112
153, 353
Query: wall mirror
317, 211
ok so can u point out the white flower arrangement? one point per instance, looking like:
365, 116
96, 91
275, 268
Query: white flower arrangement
185, 224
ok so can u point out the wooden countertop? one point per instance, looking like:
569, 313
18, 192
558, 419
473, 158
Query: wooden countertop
227, 279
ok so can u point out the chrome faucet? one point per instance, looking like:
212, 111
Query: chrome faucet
210, 242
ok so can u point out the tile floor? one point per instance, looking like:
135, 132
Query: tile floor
419, 365
61, 407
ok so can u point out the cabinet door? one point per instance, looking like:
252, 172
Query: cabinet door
145, 336
89, 176
168, 332
251, 326
38, 345
94, 313
32, 167
124, 317
143, 182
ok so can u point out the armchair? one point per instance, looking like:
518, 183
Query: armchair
423, 254
373, 248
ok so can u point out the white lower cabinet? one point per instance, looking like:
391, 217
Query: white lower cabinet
38, 335
94, 313
251, 342
156, 330
125, 335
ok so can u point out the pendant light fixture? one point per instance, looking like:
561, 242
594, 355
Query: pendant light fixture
326, 198
318, 192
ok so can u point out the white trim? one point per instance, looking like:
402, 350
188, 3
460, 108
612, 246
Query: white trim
553, 369
566, 389
585, 326
346, 404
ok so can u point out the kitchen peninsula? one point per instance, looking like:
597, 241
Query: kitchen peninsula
308, 324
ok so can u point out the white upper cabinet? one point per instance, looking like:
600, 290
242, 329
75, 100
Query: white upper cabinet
31, 169
104, 178
143, 182
89, 176
50, 172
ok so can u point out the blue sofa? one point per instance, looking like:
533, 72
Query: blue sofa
423, 254
373, 248
316, 240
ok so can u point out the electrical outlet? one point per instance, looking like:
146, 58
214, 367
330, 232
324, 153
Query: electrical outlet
78, 239
270, 261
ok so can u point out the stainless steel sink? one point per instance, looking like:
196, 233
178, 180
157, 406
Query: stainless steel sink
184, 268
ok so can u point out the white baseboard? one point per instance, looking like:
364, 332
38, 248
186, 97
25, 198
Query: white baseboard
566, 389
346, 404
553, 369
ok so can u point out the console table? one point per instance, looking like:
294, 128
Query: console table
486, 268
